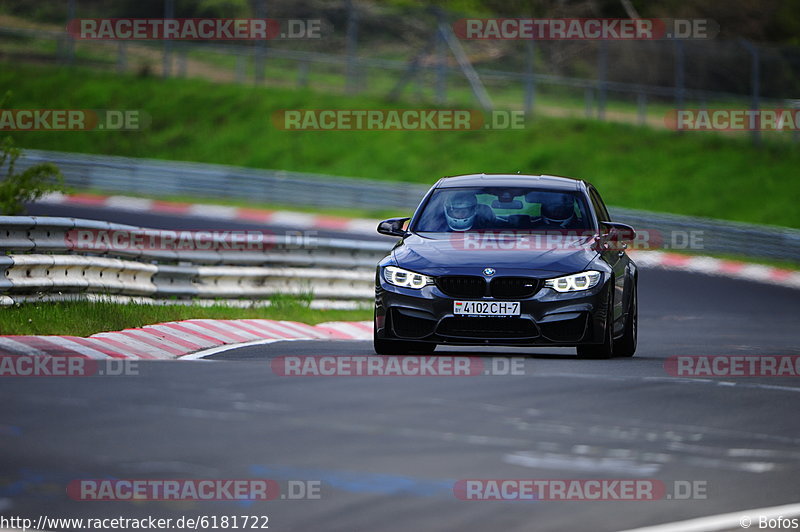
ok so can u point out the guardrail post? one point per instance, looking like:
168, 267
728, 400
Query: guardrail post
6, 262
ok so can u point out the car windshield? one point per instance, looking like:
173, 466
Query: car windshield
502, 208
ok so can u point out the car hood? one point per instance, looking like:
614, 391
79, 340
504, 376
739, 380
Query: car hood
471, 253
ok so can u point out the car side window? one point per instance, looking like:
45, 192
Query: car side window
599, 206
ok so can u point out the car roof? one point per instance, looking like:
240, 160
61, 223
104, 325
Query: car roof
543, 181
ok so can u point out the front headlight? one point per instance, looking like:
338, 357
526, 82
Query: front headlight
405, 278
575, 282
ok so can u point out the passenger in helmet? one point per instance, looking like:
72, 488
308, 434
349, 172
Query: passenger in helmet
558, 210
460, 210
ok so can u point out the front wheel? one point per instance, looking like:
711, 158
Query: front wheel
626, 347
384, 346
606, 349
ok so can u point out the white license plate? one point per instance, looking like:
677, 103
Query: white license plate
486, 308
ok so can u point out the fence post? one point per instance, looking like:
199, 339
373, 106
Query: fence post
680, 74
70, 38
465, 65
302, 74
530, 81
641, 107
602, 75
182, 60
412, 70
755, 85
352, 41
441, 61
588, 98
240, 65
169, 12
122, 57
261, 45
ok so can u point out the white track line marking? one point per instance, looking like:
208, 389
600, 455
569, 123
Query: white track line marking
740, 520
549, 460
200, 355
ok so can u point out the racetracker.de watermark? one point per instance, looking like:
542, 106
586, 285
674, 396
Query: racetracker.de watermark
395, 120
395, 366
64, 366
583, 29
194, 29
516, 240
733, 119
606, 489
73, 120
733, 365
210, 489
140, 240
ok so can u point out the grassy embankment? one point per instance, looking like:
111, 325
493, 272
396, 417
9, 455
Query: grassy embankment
694, 173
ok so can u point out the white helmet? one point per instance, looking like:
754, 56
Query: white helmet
460, 210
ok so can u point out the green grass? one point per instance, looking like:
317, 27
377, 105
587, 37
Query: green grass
83, 318
693, 173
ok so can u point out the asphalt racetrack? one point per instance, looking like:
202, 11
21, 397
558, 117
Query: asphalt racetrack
386, 452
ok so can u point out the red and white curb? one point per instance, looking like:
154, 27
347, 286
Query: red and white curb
304, 221
726, 268
181, 338
295, 220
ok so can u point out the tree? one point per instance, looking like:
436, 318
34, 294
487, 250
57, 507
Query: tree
18, 188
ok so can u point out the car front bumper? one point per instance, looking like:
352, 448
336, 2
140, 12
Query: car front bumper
546, 318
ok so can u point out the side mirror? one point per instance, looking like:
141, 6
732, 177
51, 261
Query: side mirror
393, 227
619, 232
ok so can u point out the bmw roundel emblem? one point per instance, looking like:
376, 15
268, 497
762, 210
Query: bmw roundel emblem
488, 271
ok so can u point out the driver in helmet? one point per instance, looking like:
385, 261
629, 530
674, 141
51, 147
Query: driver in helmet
460, 210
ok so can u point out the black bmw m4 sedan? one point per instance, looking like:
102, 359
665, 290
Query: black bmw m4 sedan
507, 260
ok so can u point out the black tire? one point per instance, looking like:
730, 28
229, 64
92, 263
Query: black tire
384, 346
606, 349
626, 346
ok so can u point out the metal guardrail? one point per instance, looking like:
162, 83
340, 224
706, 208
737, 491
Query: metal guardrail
45, 259
44, 262
716, 236
164, 178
